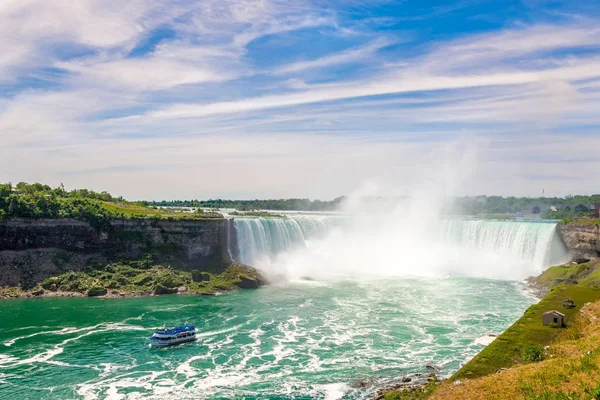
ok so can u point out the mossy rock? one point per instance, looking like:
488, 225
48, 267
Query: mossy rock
96, 291
248, 282
170, 280
112, 284
161, 289
198, 276
48, 282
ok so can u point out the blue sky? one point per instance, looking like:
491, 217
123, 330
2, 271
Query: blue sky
257, 99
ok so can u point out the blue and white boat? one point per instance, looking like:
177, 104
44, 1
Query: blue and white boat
169, 337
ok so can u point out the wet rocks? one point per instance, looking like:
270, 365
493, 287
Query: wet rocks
161, 289
362, 383
96, 291
581, 260
199, 276
248, 283
412, 385
432, 367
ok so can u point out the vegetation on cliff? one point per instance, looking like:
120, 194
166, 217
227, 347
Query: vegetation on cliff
580, 221
142, 278
42, 201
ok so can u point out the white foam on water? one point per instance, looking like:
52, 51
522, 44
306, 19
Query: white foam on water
59, 348
62, 331
334, 391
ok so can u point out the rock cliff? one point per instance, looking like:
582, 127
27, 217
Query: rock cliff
32, 250
581, 239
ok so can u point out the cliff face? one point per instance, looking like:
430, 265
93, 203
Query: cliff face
582, 240
32, 250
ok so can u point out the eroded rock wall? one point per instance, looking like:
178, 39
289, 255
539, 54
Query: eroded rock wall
31, 250
582, 240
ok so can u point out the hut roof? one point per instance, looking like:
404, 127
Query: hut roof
554, 312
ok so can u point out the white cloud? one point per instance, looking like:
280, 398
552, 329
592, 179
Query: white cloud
197, 106
362, 54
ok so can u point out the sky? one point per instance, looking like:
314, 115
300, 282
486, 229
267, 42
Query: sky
154, 99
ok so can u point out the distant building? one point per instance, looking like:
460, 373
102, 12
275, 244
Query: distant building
553, 208
543, 207
553, 317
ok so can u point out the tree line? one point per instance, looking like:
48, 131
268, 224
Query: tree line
42, 201
567, 207
251, 205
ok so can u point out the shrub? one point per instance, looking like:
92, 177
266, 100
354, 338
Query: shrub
96, 291
142, 279
533, 353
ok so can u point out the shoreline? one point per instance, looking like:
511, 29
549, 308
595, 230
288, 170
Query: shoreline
118, 295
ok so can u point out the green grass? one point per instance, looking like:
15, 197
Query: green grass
580, 221
587, 274
417, 393
572, 274
134, 210
257, 214
508, 349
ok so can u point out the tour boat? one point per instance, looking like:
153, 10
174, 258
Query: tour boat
169, 337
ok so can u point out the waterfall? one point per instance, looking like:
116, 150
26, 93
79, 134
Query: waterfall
507, 249
531, 241
262, 237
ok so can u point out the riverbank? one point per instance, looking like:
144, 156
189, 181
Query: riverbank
140, 279
522, 361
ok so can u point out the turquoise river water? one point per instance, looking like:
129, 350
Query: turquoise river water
298, 340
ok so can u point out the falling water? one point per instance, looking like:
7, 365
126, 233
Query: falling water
267, 236
452, 246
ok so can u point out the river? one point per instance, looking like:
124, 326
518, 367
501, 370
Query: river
346, 305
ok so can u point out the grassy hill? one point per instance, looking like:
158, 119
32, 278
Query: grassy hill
533, 361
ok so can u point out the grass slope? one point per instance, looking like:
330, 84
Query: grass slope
587, 274
571, 370
507, 350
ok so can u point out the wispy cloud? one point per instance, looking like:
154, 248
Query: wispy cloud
235, 91
362, 54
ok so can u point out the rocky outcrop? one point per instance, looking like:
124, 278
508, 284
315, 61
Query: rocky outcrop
582, 239
32, 250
